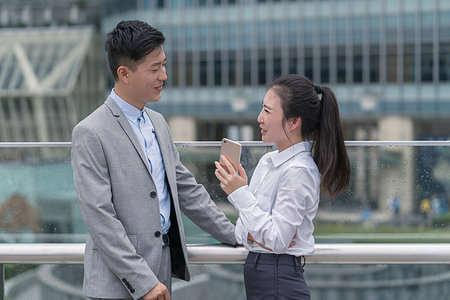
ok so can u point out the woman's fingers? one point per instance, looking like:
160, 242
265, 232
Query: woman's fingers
228, 165
242, 172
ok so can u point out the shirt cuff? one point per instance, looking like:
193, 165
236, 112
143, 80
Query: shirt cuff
241, 198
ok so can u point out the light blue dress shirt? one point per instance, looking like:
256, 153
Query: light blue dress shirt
145, 133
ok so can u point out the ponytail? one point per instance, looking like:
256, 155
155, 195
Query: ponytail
329, 150
320, 123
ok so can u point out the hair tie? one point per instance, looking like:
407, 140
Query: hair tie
319, 90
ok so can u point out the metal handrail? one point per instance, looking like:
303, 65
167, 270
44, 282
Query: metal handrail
376, 253
244, 143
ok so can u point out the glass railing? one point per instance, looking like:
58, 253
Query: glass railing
384, 238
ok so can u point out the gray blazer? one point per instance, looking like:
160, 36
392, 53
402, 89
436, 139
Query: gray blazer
120, 206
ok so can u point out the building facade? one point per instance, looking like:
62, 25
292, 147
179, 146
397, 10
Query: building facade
388, 62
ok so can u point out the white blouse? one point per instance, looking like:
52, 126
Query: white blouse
281, 201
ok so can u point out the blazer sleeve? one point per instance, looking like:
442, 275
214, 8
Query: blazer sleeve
93, 188
197, 205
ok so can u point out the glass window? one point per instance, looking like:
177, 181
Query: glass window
232, 72
247, 67
175, 69
308, 62
391, 28
247, 34
340, 64
203, 69
427, 62
276, 63
231, 35
374, 63
277, 33
357, 29
261, 34
217, 68
444, 25
203, 36
409, 63
391, 63
188, 37
427, 26
308, 31
262, 79
189, 69
409, 22
340, 30
374, 29
218, 36
293, 34
444, 62
324, 31
357, 64
292, 63
324, 65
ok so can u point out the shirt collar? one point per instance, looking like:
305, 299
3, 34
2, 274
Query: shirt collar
278, 158
130, 112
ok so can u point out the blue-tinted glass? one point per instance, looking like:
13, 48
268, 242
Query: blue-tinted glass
293, 33
427, 20
391, 22
409, 21
308, 31
203, 36
217, 36
277, 33
261, 34
357, 29
324, 31
188, 37
247, 34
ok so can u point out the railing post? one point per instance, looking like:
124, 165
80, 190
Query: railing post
2, 282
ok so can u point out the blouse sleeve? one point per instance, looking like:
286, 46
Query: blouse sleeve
294, 197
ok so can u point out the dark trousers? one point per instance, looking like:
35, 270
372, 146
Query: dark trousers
274, 276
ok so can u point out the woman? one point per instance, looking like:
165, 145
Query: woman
277, 208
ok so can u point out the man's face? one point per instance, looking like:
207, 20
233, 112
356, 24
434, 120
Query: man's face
147, 79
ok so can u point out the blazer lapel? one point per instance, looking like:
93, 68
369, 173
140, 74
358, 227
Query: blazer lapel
123, 121
163, 139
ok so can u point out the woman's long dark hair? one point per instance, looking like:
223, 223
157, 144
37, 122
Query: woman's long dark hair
320, 123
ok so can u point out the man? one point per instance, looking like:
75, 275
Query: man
130, 183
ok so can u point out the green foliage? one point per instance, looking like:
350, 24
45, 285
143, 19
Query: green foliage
12, 270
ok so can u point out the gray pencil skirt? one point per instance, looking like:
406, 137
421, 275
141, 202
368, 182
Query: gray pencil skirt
274, 276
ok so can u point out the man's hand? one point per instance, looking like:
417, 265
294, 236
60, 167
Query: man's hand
159, 292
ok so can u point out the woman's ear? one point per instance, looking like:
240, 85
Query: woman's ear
294, 123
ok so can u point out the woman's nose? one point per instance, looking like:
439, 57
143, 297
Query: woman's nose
259, 118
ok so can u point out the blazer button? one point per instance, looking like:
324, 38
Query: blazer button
153, 194
157, 234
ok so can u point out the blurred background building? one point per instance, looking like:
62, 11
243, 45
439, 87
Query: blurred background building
388, 62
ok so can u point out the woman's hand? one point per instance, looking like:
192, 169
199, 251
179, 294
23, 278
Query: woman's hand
229, 178
251, 239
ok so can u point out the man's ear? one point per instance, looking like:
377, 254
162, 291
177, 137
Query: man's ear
122, 73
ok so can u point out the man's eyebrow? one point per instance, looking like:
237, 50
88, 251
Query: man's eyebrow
158, 63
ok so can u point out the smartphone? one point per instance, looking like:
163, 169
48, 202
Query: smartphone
231, 150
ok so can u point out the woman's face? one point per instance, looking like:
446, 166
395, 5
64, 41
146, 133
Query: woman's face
270, 121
